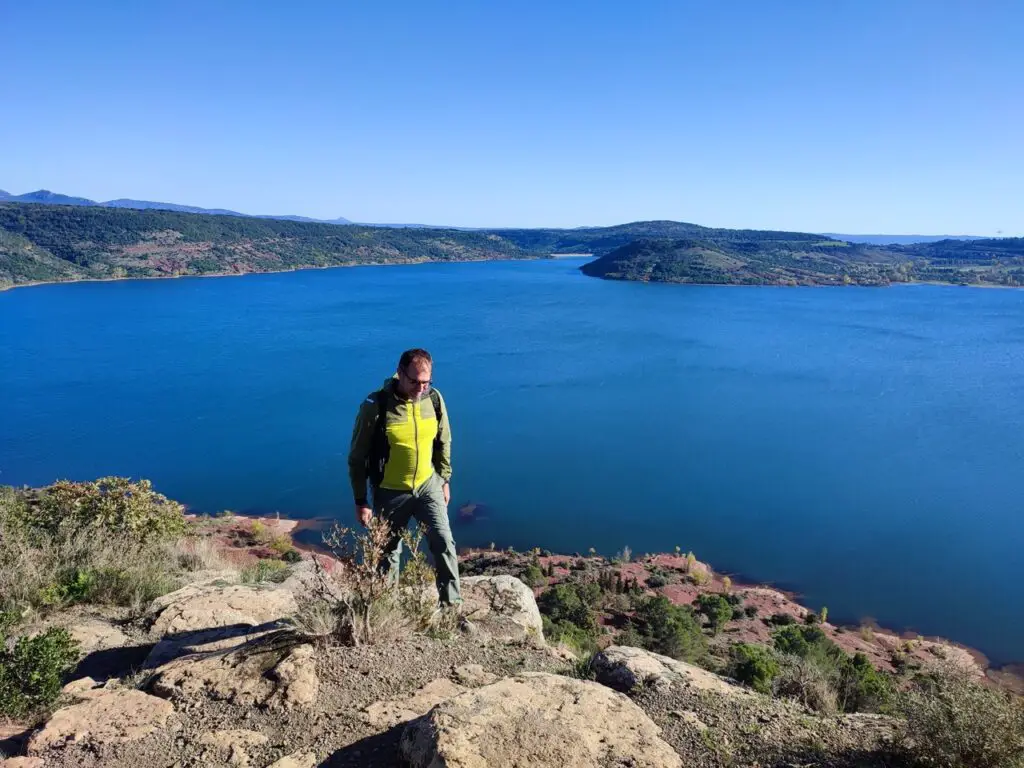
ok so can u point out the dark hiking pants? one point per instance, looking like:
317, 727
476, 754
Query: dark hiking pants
426, 505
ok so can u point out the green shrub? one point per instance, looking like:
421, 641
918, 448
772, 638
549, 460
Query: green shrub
291, 556
669, 629
716, 608
854, 685
862, 688
583, 641
656, 580
782, 619
281, 544
754, 665
572, 604
533, 576
750, 611
111, 503
737, 614
955, 722
31, 673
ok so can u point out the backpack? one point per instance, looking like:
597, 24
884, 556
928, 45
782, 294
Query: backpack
377, 458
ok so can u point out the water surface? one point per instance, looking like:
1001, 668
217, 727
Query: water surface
863, 446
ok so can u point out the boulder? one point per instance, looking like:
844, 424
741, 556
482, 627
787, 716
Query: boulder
83, 688
623, 668
233, 747
270, 670
115, 717
539, 720
21, 762
502, 608
388, 713
96, 635
211, 605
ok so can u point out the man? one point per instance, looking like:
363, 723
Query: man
401, 447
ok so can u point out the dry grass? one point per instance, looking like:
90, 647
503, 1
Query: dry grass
43, 568
810, 683
366, 605
954, 721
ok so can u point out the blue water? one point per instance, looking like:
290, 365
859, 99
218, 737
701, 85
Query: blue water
863, 446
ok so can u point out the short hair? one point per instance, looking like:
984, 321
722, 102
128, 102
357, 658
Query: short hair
412, 355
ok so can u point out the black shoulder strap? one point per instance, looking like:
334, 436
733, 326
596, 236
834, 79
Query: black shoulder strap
435, 398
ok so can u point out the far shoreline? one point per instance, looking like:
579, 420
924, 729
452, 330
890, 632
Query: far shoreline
410, 263
539, 257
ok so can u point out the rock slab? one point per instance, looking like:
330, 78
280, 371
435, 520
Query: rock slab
502, 607
116, 717
537, 720
624, 668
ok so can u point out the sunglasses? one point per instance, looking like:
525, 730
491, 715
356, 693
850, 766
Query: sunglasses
417, 382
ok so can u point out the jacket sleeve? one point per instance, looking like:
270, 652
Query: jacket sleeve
443, 444
362, 438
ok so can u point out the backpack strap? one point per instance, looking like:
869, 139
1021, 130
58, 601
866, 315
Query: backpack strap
435, 399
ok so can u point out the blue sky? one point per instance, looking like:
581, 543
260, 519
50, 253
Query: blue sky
821, 115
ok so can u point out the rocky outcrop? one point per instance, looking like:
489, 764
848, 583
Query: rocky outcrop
538, 720
270, 670
215, 604
502, 608
390, 712
623, 668
21, 762
115, 717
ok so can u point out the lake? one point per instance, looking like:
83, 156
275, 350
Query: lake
864, 447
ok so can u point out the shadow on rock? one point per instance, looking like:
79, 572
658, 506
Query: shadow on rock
112, 662
379, 750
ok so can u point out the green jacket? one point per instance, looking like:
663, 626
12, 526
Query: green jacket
419, 442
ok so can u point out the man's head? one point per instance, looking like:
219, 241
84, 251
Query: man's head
414, 370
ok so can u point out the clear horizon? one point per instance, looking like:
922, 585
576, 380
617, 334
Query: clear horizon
854, 118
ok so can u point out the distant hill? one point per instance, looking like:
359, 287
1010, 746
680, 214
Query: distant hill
47, 243
47, 197
807, 262
898, 239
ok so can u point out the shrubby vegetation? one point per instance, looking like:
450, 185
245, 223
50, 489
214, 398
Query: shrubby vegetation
32, 670
111, 541
953, 721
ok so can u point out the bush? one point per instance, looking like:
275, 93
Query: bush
754, 665
533, 576
955, 722
750, 611
571, 604
31, 673
862, 688
281, 544
113, 504
716, 608
782, 619
737, 614
668, 629
291, 556
814, 661
656, 580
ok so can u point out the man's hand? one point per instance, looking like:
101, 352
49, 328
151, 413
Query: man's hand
363, 514
447, 493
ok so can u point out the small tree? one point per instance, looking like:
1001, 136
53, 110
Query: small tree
717, 609
727, 584
670, 629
